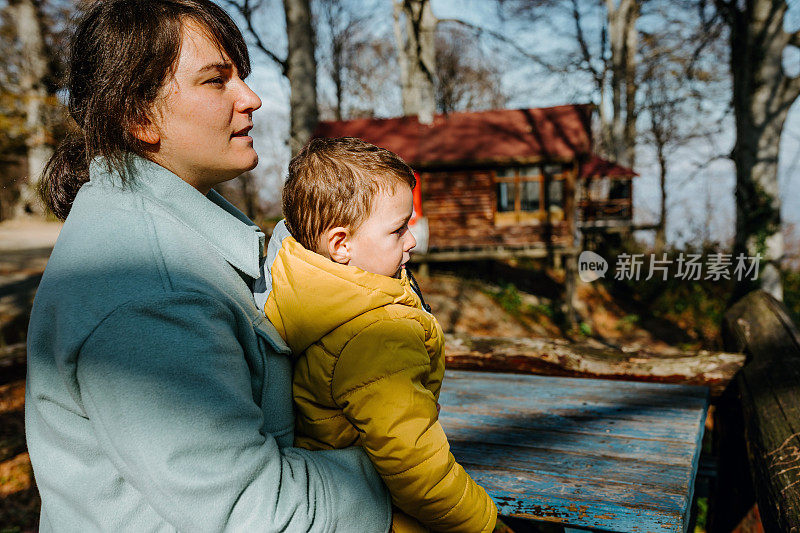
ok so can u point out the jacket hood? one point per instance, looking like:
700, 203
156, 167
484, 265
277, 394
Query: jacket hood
312, 295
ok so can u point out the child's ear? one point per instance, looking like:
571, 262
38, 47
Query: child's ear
337, 244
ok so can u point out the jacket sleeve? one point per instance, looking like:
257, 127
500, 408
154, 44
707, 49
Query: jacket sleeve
166, 387
379, 384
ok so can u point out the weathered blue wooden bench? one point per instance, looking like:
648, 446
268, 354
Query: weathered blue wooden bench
583, 453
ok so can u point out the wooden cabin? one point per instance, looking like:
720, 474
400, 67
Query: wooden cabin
605, 195
492, 183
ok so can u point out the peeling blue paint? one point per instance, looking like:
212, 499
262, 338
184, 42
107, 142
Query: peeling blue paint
595, 454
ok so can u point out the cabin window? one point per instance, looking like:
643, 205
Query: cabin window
556, 193
598, 189
521, 193
506, 190
530, 197
620, 190
505, 197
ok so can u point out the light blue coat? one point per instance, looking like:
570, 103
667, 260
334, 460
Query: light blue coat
158, 396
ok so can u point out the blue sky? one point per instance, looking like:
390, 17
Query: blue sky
700, 195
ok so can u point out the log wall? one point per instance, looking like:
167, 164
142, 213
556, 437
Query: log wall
460, 207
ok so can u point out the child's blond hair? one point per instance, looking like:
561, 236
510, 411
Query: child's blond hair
333, 181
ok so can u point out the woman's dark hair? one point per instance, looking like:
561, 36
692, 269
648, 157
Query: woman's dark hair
121, 54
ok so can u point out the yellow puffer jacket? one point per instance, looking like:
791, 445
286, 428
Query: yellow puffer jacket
369, 370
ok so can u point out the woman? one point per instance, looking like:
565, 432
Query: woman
158, 397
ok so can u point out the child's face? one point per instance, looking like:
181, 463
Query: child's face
382, 243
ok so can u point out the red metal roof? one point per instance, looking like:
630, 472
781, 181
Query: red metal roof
555, 133
597, 167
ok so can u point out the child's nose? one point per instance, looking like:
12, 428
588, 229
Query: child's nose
410, 241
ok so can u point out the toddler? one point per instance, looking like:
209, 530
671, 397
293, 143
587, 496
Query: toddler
369, 358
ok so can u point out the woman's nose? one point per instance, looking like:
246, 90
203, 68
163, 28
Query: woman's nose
248, 100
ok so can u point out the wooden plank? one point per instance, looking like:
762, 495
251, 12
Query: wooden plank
535, 486
576, 387
499, 390
570, 507
648, 428
606, 444
584, 465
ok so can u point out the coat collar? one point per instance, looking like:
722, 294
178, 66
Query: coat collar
213, 218
312, 296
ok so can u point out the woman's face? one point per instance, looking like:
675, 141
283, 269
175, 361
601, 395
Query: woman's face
204, 115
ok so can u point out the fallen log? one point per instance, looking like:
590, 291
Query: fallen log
563, 358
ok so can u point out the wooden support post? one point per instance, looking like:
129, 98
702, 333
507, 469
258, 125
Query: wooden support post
768, 394
570, 289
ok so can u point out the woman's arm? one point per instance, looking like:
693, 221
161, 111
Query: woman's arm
379, 384
166, 386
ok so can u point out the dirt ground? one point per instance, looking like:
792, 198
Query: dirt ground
25, 246
28, 233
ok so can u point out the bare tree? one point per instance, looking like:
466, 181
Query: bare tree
348, 43
374, 80
340, 30
623, 36
608, 57
299, 66
465, 79
415, 27
762, 94
32, 32
612, 65
301, 69
676, 79
33, 71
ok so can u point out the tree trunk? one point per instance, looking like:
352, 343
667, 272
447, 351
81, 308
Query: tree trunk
301, 69
661, 230
631, 86
620, 134
338, 76
414, 28
29, 32
762, 96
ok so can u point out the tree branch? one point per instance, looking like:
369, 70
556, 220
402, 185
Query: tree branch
587, 56
791, 89
246, 11
728, 10
500, 37
794, 39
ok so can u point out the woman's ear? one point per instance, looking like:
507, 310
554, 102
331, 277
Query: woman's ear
146, 133
337, 244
